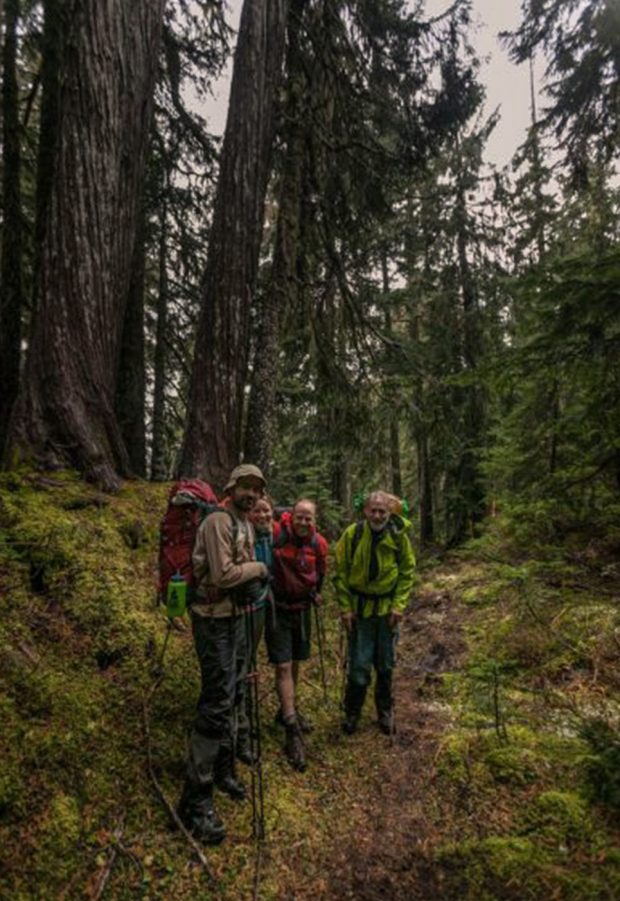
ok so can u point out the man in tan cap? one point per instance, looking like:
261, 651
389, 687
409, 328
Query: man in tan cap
226, 575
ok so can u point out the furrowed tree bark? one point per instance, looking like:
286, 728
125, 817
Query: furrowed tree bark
65, 414
468, 505
394, 430
425, 490
159, 469
130, 398
283, 288
212, 442
419, 423
11, 299
56, 25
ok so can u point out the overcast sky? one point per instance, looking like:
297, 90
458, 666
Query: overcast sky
507, 85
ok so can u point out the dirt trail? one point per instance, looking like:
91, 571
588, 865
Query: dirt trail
389, 860
392, 825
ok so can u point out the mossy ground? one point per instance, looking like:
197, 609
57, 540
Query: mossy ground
502, 782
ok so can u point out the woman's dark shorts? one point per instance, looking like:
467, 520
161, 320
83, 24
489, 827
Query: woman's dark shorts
288, 637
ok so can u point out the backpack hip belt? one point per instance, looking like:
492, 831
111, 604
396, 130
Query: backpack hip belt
375, 598
295, 606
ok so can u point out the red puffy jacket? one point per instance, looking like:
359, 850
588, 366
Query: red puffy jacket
299, 565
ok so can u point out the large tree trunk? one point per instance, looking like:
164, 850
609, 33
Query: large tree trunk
468, 496
212, 443
11, 300
56, 27
159, 467
131, 381
394, 430
425, 490
65, 411
283, 288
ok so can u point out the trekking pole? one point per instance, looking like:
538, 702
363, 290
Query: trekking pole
253, 710
393, 712
320, 635
344, 656
158, 669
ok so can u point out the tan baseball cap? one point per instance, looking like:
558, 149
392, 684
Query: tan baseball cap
244, 471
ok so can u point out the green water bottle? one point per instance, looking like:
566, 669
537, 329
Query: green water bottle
176, 596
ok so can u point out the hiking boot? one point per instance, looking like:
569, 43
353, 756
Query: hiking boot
349, 725
294, 747
207, 828
232, 787
199, 816
245, 755
386, 724
304, 724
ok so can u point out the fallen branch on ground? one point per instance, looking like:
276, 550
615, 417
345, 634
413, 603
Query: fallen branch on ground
162, 796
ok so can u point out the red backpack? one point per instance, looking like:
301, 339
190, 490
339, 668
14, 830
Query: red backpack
189, 501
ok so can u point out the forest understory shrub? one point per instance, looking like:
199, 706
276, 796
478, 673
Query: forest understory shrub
535, 744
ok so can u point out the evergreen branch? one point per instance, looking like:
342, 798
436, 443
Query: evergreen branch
173, 67
32, 95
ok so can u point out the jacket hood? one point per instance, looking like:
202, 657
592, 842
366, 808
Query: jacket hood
286, 521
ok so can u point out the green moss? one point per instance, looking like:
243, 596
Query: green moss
560, 817
62, 827
512, 764
82, 635
524, 868
479, 870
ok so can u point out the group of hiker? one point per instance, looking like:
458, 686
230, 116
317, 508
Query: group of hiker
253, 576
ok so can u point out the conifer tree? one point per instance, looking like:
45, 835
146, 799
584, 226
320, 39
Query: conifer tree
11, 281
98, 118
213, 437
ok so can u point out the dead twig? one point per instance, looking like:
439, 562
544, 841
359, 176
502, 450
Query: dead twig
106, 871
189, 838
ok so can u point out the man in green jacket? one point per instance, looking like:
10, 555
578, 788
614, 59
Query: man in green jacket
375, 568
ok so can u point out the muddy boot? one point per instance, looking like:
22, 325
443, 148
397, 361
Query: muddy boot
353, 703
231, 786
384, 703
245, 755
385, 722
349, 725
304, 724
199, 816
294, 746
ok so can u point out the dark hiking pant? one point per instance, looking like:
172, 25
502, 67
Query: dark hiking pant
372, 643
221, 648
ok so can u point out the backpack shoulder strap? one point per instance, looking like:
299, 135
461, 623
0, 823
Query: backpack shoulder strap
207, 509
356, 537
235, 532
398, 535
283, 537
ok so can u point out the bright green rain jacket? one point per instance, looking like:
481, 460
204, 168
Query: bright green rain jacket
392, 587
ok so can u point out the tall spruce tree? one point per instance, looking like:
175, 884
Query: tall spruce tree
11, 281
100, 101
213, 438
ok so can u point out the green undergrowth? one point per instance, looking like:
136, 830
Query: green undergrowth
532, 762
526, 775
80, 638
